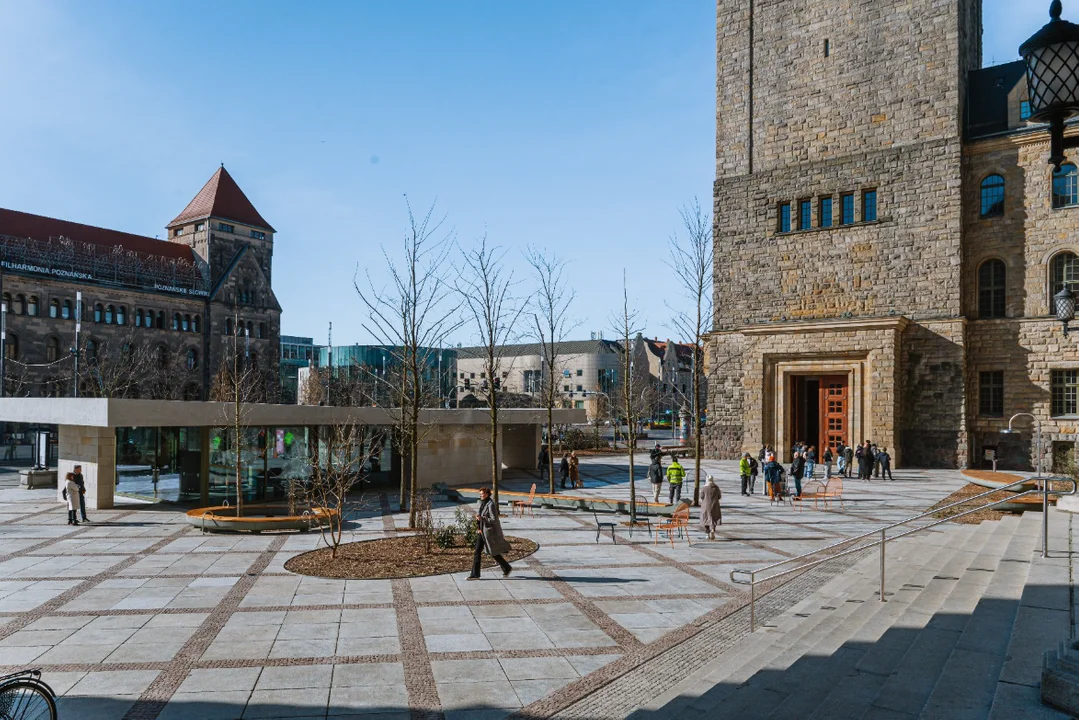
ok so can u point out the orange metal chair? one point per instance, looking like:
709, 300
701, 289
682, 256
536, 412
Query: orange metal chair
834, 491
518, 506
679, 522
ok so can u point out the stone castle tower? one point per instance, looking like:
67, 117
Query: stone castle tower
838, 226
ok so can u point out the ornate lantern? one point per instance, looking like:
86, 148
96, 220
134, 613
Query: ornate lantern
1064, 304
1052, 59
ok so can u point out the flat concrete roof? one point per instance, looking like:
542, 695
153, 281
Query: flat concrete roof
105, 412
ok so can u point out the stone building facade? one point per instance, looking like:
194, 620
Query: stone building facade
158, 317
853, 138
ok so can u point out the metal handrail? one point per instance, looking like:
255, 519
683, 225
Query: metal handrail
884, 539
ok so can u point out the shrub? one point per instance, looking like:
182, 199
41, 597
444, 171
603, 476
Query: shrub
446, 536
466, 525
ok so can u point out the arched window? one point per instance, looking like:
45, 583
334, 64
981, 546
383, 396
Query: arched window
52, 349
138, 317
110, 315
992, 291
992, 196
176, 321
160, 319
262, 330
228, 326
20, 304
196, 324
1065, 186
91, 351
186, 324
99, 313
31, 306
191, 359
11, 346
1063, 270
121, 315
54, 309
66, 313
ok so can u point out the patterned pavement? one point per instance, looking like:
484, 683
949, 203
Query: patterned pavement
140, 616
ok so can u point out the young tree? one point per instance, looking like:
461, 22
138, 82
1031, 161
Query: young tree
553, 299
626, 325
411, 317
692, 256
484, 286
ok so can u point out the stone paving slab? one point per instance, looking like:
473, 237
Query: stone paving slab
143, 617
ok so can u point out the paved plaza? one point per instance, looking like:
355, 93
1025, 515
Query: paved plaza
138, 615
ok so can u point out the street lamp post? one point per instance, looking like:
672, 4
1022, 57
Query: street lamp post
1052, 59
1041, 479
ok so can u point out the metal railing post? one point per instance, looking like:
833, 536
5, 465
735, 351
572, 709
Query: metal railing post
752, 601
882, 541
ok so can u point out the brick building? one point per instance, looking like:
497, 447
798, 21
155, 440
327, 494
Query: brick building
158, 316
888, 236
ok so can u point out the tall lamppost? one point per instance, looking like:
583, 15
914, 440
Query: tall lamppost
1052, 60
1044, 482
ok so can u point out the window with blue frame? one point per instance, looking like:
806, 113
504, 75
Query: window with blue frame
846, 209
784, 217
1024, 110
826, 212
992, 196
805, 214
869, 206
1065, 187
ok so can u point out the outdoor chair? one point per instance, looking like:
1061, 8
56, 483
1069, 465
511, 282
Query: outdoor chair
813, 490
518, 506
604, 525
780, 493
834, 491
641, 515
679, 523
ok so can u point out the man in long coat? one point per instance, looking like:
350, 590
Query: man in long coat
711, 512
489, 537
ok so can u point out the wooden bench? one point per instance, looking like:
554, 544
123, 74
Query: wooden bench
560, 501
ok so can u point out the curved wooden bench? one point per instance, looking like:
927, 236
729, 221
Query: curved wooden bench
260, 518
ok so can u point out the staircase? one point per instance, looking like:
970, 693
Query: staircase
970, 611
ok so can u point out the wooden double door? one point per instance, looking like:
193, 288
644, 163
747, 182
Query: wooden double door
820, 411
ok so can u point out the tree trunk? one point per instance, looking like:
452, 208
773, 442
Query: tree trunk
550, 445
697, 412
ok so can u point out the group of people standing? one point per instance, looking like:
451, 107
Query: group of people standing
568, 467
675, 475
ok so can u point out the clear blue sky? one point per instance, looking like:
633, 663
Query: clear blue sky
578, 126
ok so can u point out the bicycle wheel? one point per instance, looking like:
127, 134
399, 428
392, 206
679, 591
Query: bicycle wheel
26, 700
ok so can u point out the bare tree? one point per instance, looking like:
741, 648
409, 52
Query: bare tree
626, 325
411, 317
692, 256
485, 288
342, 470
553, 299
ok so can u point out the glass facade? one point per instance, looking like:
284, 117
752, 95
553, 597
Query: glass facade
162, 463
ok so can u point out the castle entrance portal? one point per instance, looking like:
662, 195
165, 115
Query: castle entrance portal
819, 410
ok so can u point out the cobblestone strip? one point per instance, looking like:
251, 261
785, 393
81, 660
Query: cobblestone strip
83, 528
50, 607
536, 653
423, 700
615, 690
156, 696
616, 632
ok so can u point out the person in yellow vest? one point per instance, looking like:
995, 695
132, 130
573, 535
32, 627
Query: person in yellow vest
675, 475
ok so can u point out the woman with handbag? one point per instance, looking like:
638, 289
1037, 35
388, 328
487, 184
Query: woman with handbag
71, 494
489, 537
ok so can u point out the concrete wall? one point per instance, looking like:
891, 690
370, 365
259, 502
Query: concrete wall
95, 449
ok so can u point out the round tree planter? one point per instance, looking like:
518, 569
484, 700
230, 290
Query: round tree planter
256, 519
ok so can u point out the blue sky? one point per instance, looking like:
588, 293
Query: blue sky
580, 127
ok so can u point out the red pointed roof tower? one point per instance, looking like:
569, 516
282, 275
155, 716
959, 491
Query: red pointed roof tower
221, 198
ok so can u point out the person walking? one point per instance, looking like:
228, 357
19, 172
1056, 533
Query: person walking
743, 470
865, 462
655, 476
656, 454
827, 464
811, 461
575, 470
675, 476
82, 492
771, 476
544, 459
563, 469
797, 469
489, 537
848, 456
753, 467
71, 494
711, 510
885, 462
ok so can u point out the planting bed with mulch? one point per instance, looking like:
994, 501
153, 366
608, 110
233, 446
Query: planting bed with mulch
397, 557
967, 491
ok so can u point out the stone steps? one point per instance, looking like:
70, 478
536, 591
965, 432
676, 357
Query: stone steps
952, 642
